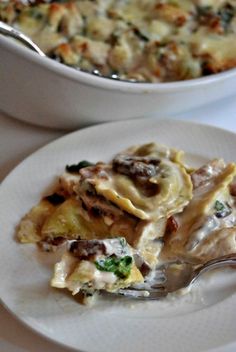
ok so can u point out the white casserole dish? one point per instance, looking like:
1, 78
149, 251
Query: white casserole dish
44, 92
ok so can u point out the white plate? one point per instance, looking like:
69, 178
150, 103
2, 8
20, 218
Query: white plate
200, 321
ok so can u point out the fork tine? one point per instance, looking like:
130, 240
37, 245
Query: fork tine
168, 280
152, 289
143, 294
157, 294
158, 286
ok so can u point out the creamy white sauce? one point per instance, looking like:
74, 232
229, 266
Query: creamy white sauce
62, 270
102, 278
125, 37
117, 247
211, 224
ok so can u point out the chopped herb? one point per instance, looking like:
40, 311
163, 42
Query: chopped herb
55, 198
121, 267
87, 294
206, 68
35, 13
226, 13
204, 10
77, 167
113, 40
37, 2
140, 35
219, 206
108, 264
123, 242
221, 209
124, 267
55, 57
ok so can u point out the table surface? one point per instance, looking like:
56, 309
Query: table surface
17, 141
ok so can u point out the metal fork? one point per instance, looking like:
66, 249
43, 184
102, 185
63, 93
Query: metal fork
9, 31
173, 277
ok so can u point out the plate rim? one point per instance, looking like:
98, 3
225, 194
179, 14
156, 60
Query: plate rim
21, 318
111, 123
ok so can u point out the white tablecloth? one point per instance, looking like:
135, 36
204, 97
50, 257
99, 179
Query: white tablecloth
17, 141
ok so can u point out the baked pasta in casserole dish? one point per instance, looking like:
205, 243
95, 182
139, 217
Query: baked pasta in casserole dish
144, 40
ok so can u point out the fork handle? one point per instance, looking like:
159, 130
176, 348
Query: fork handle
7, 30
226, 260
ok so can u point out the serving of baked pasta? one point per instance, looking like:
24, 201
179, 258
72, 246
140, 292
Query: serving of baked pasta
119, 221
141, 40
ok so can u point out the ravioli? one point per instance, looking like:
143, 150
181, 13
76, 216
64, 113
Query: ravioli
94, 265
122, 219
105, 201
146, 181
206, 228
29, 229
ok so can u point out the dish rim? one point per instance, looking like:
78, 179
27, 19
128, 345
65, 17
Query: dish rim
88, 79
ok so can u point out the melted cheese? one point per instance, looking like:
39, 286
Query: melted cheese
150, 41
220, 49
175, 192
199, 228
106, 201
75, 275
174, 185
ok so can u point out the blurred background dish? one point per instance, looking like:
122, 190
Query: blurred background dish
44, 92
134, 40
177, 52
